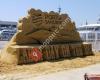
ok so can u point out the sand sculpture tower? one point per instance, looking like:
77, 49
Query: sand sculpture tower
35, 29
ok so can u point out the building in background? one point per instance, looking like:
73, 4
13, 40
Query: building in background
91, 33
7, 30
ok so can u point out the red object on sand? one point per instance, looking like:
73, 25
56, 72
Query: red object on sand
35, 55
92, 76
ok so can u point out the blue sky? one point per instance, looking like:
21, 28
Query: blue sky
78, 10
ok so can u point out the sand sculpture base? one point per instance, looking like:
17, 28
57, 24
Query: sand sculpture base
51, 52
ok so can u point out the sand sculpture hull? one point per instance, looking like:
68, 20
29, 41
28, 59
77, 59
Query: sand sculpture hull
33, 31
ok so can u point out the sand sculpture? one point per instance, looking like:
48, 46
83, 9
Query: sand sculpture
34, 29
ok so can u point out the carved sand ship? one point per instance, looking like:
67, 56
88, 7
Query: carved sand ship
33, 31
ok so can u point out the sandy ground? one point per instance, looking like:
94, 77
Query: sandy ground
47, 67
75, 74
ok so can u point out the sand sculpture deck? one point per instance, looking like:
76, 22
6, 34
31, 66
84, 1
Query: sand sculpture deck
32, 32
